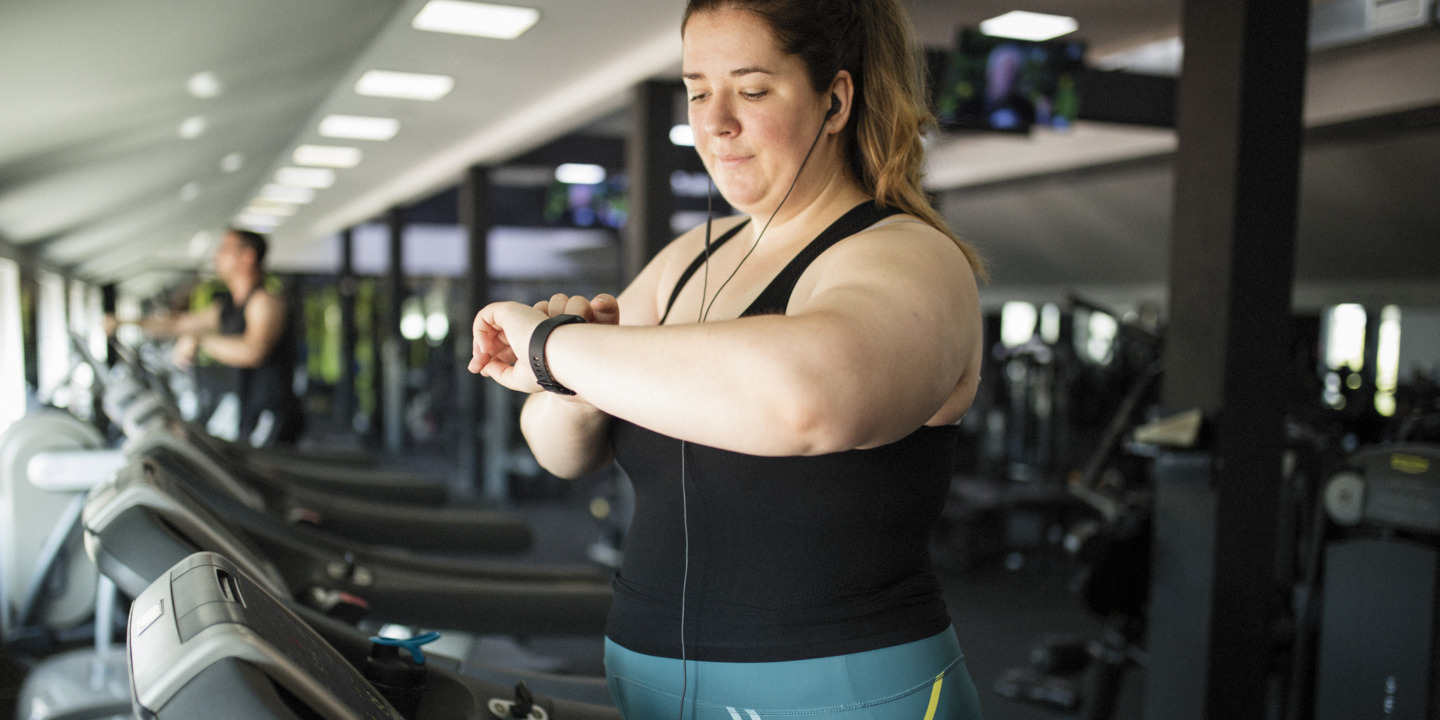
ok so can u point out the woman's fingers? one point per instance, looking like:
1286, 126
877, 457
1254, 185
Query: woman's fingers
602, 309
493, 354
606, 309
577, 305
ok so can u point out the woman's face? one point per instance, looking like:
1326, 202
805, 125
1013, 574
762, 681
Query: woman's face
751, 107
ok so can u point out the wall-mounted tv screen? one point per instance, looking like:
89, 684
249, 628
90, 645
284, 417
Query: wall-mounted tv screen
995, 83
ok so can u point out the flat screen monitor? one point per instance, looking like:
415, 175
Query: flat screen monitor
1008, 85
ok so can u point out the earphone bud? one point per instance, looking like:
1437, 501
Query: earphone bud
834, 106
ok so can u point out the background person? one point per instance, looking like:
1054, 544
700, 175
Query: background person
784, 395
248, 329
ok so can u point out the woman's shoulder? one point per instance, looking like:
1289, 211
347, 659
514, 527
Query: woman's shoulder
900, 232
901, 245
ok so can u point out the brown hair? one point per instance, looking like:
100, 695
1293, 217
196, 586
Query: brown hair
871, 39
254, 241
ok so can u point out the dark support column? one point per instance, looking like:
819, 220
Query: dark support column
393, 360
345, 386
1215, 599
648, 163
109, 297
477, 218
1369, 371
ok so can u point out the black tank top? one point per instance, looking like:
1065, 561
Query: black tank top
790, 558
268, 387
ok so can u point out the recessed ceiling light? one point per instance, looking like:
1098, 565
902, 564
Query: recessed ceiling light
287, 193
305, 177
407, 86
580, 174
472, 18
682, 135
326, 156
204, 85
359, 127
232, 162
199, 243
190, 191
1023, 25
193, 127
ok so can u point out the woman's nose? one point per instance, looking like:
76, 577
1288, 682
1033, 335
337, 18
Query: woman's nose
717, 118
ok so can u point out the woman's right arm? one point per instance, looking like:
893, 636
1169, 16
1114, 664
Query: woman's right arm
568, 436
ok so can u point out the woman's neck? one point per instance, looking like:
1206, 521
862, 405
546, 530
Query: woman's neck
819, 205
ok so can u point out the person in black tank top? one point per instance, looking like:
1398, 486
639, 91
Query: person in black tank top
270, 412
248, 329
782, 387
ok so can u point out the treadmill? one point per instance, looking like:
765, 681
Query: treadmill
144, 522
377, 507
147, 518
206, 641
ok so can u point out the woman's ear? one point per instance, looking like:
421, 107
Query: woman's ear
842, 96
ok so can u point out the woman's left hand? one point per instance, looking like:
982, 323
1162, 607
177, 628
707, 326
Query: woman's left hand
501, 336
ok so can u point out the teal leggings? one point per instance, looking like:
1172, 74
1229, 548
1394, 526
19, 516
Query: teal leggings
921, 680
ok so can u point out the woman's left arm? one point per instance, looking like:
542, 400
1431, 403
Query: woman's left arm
878, 334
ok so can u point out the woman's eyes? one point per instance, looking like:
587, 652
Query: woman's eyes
747, 95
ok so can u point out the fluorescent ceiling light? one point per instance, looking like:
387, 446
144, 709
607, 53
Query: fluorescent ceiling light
333, 156
272, 209
258, 223
1023, 25
305, 177
472, 18
682, 135
407, 86
266, 206
287, 193
359, 127
580, 174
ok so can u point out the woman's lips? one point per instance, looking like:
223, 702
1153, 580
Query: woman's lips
730, 161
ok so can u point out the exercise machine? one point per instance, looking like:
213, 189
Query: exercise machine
206, 641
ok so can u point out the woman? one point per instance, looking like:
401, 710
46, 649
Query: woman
782, 388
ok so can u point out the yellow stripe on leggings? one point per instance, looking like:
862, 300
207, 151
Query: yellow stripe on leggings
934, 696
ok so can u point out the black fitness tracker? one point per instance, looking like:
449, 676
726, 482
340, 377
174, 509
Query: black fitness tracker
537, 352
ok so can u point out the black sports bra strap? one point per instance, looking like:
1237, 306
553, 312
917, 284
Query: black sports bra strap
695, 266
776, 296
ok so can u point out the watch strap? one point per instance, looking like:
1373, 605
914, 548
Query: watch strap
537, 352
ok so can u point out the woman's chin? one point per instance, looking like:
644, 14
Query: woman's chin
740, 197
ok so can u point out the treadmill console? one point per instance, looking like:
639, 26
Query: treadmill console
206, 641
